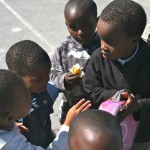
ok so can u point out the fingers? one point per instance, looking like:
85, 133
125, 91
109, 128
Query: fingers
23, 128
85, 106
19, 124
128, 107
127, 103
125, 94
79, 103
82, 105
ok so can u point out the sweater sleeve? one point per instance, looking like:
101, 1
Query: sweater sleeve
61, 140
145, 109
93, 81
14, 140
58, 71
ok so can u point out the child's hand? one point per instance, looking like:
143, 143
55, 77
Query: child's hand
125, 95
129, 107
82, 105
21, 127
72, 79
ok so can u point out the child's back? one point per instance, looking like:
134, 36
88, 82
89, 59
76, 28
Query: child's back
32, 63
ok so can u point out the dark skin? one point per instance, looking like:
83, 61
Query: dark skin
116, 44
20, 108
86, 139
81, 23
37, 83
132, 105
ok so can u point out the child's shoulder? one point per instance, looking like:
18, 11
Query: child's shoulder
64, 44
52, 90
97, 52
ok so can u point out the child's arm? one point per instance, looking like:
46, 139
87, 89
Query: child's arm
13, 139
93, 81
58, 70
61, 140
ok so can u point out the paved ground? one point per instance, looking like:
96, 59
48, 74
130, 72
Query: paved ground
40, 21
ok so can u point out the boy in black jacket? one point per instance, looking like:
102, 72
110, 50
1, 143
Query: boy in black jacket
122, 62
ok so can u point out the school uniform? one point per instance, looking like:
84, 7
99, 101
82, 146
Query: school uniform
104, 77
38, 120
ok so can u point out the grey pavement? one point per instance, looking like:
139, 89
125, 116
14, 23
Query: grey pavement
42, 22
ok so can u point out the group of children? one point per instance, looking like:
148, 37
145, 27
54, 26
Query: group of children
114, 57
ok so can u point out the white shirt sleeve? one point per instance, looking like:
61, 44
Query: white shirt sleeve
61, 140
14, 140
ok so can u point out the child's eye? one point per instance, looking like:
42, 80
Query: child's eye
73, 27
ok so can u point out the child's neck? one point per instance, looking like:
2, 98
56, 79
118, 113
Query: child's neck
131, 52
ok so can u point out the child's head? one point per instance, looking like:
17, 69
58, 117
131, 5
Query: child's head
120, 26
81, 20
95, 130
31, 62
15, 99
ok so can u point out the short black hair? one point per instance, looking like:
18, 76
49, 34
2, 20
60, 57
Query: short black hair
27, 58
89, 4
97, 121
8, 83
127, 13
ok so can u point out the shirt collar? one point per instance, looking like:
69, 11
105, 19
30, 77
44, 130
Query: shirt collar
94, 44
122, 61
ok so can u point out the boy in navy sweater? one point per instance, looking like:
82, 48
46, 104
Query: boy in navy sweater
122, 62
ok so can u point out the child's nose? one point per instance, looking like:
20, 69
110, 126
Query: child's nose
103, 45
80, 32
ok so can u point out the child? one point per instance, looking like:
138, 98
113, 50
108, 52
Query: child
98, 131
32, 63
15, 103
123, 62
81, 21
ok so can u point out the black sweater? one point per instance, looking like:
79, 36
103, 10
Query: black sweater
104, 77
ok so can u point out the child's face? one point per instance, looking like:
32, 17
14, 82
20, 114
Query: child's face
20, 108
81, 25
86, 140
38, 83
115, 43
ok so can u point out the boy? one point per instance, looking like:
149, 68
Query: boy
32, 63
98, 130
123, 62
81, 21
15, 103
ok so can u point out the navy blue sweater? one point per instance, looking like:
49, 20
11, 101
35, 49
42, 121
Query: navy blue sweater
104, 77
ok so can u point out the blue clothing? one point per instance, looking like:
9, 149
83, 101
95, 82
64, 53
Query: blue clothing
38, 121
13, 140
